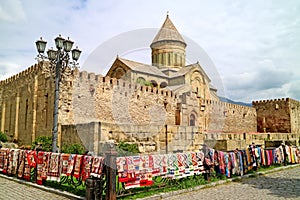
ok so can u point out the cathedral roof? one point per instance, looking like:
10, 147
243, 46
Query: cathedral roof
183, 71
168, 32
144, 68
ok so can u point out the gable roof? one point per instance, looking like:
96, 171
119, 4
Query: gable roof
184, 70
168, 32
143, 68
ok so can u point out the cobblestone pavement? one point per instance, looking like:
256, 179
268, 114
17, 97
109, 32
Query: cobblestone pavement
278, 185
11, 190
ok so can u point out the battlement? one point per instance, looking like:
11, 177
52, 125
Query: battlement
24, 73
282, 100
224, 104
84, 75
295, 102
106, 81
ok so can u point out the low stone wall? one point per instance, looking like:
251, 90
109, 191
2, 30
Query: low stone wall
231, 141
149, 138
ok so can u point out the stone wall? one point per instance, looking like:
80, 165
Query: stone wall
27, 102
231, 141
218, 116
117, 101
295, 116
273, 115
148, 138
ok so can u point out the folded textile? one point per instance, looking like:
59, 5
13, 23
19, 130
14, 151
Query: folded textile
10, 161
122, 169
64, 162
21, 163
86, 167
97, 166
77, 166
27, 168
54, 167
71, 164
39, 165
45, 165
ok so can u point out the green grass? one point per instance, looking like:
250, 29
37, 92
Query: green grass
160, 185
79, 190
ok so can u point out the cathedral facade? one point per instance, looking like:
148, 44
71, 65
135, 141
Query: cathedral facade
163, 106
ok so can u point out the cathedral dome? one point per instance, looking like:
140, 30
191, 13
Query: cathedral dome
168, 32
168, 47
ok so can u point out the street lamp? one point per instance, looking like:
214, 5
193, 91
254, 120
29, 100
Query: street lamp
59, 62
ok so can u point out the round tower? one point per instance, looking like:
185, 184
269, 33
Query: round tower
168, 47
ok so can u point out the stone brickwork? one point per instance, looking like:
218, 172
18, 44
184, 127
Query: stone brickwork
278, 115
27, 103
223, 117
231, 141
103, 108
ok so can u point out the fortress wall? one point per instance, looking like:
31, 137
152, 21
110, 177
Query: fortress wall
18, 104
227, 117
116, 101
273, 115
295, 116
27, 102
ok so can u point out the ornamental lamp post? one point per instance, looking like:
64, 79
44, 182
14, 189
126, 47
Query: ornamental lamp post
59, 62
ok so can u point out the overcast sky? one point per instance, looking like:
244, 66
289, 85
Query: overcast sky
254, 45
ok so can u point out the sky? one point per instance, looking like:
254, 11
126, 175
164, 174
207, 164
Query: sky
253, 47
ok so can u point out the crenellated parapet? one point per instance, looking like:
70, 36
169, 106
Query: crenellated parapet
282, 100
113, 83
226, 105
29, 71
225, 117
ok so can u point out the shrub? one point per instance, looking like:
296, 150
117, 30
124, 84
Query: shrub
73, 148
3, 137
124, 148
45, 141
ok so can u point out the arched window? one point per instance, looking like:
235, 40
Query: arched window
140, 80
192, 120
154, 83
163, 85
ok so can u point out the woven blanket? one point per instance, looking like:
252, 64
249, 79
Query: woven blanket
200, 159
71, 164
64, 161
53, 167
181, 162
131, 168
161, 163
3, 160
173, 169
21, 163
97, 166
189, 169
10, 161
15, 162
77, 166
145, 170
40, 159
86, 167
27, 168
32, 158
222, 162
240, 163
122, 169
45, 165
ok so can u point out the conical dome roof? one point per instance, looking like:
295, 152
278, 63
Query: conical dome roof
168, 32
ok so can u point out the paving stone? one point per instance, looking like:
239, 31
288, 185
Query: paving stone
274, 186
11, 190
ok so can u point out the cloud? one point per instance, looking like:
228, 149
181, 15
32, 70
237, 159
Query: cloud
11, 11
254, 45
8, 69
266, 81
